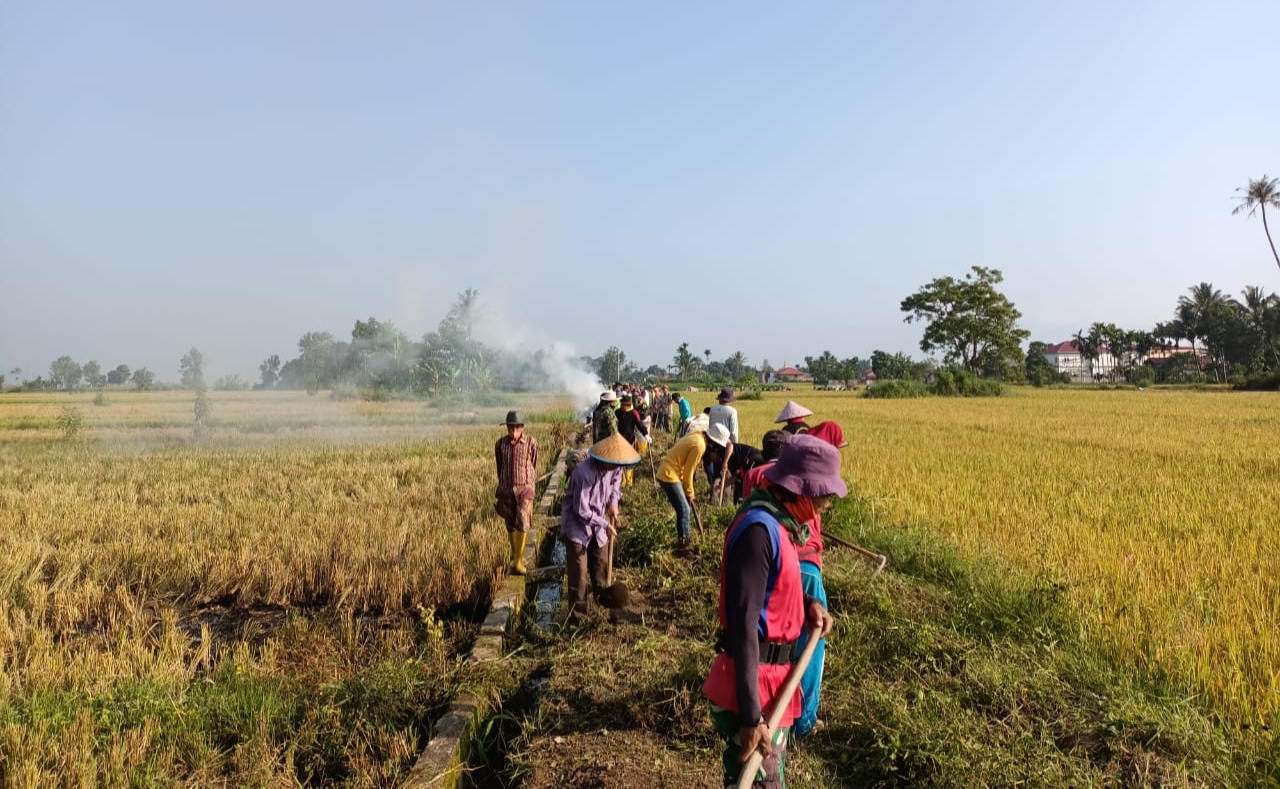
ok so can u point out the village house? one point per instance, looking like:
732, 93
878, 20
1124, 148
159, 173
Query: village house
1066, 358
791, 375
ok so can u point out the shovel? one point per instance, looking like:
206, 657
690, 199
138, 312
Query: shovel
780, 704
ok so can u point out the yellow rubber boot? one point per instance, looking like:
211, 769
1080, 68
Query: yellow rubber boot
518, 540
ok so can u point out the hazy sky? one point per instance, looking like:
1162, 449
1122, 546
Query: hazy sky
765, 177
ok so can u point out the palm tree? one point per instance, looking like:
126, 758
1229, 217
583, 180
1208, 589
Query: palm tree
1195, 310
735, 363
1259, 194
1262, 310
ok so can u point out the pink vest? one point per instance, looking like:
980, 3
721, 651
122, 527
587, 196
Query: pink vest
781, 619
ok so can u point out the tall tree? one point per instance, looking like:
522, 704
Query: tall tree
735, 364
612, 365
684, 361
65, 373
270, 371
142, 378
1255, 198
968, 319
191, 370
93, 374
1195, 309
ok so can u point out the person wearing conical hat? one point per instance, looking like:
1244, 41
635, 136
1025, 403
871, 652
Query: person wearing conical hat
516, 456
589, 518
793, 415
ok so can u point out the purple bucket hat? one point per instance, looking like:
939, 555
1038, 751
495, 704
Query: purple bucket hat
808, 466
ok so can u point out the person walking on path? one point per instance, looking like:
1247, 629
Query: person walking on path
516, 456
763, 610
722, 414
604, 420
686, 412
589, 519
792, 417
811, 583
632, 428
675, 477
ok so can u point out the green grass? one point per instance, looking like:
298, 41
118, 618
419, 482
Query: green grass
941, 672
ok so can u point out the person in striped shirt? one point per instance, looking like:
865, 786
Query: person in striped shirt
516, 455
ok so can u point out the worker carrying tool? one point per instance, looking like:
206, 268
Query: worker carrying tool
763, 608
589, 523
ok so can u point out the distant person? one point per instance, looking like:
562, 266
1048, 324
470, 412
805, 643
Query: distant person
722, 413
604, 420
632, 428
675, 477
770, 447
686, 412
516, 456
810, 555
792, 417
589, 520
763, 610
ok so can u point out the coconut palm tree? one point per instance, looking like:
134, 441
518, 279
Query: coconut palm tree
1259, 194
1196, 309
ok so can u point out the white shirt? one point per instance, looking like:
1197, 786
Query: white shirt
726, 415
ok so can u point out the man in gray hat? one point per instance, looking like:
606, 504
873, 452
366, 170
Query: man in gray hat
516, 455
722, 413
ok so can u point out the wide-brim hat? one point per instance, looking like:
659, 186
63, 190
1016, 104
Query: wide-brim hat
718, 434
793, 410
830, 432
808, 466
609, 397
615, 451
514, 418
726, 395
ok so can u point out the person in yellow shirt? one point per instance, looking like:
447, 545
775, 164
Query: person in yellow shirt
675, 476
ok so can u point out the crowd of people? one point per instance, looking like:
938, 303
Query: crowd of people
772, 598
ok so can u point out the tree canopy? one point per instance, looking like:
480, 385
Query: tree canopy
969, 320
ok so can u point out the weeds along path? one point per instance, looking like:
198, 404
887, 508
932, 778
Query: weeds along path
943, 671
279, 604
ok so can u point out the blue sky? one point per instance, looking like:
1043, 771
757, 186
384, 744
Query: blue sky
741, 176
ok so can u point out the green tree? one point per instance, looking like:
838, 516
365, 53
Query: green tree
270, 371
93, 374
143, 379
891, 366
1196, 310
121, 375
450, 358
824, 368
191, 370
684, 362
969, 320
1038, 370
65, 373
612, 365
1255, 198
736, 364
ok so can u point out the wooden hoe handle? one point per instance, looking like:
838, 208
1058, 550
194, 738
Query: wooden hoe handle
780, 704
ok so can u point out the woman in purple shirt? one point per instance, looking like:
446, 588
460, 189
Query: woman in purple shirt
589, 517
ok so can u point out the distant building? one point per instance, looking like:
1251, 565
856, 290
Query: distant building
791, 375
1066, 358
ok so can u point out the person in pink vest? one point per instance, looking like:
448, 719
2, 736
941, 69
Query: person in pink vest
810, 555
763, 608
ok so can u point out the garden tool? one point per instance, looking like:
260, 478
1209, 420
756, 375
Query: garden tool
878, 559
779, 707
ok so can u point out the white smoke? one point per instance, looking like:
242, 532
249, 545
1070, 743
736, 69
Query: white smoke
558, 360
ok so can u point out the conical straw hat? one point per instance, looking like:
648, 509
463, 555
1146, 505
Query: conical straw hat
793, 410
614, 450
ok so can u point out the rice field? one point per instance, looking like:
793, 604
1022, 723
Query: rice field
1158, 510
272, 605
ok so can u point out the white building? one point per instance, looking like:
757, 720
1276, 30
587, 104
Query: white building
1066, 358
